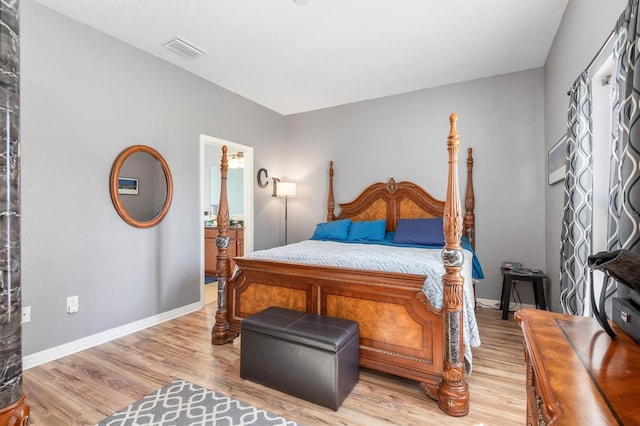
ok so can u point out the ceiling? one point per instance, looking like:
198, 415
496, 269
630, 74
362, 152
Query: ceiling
295, 58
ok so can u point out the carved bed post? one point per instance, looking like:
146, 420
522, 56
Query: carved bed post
453, 392
330, 201
470, 216
220, 333
469, 203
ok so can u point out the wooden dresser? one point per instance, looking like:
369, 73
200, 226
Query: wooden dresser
577, 375
236, 247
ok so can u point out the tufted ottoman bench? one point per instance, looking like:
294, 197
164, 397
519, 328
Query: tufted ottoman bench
310, 356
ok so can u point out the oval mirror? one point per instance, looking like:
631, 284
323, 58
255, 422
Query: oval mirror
141, 186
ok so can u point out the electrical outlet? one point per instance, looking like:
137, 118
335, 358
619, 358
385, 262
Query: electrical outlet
72, 304
26, 314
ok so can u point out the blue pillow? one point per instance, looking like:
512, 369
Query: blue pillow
426, 232
367, 230
336, 230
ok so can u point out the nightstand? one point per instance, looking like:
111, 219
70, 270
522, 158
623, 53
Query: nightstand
508, 277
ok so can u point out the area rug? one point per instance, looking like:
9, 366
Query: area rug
208, 280
181, 403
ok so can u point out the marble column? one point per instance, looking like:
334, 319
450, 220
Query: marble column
13, 409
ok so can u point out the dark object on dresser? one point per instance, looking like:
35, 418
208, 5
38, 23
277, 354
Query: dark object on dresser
624, 266
626, 315
310, 356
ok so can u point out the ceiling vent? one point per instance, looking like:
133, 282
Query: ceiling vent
183, 48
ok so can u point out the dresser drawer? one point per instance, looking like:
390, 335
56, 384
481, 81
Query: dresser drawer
537, 414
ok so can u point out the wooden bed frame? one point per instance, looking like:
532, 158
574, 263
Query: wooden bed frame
400, 331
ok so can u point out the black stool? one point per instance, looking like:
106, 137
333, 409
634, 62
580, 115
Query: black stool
508, 277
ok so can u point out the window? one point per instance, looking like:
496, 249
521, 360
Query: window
602, 104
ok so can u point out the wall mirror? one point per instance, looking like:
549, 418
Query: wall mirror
141, 186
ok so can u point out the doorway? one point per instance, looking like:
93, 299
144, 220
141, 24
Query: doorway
242, 210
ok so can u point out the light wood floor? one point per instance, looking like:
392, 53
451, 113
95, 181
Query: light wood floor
86, 387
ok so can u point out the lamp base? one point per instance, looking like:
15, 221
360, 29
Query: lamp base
285, 220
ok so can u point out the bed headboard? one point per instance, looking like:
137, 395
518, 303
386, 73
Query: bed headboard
400, 200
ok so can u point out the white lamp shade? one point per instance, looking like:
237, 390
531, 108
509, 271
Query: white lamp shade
286, 189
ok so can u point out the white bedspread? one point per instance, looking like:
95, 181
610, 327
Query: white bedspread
406, 260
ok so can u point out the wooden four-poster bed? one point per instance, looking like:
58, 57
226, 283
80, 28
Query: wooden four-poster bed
401, 331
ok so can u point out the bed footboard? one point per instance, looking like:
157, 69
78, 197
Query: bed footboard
400, 331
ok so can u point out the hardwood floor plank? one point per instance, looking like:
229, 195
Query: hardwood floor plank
86, 387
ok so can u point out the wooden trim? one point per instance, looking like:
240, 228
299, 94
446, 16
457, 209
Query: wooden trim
16, 414
392, 201
115, 196
330, 201
470, 203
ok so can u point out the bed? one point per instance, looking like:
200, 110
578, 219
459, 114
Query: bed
403, 330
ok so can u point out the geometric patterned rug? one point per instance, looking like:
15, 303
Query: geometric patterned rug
181, 403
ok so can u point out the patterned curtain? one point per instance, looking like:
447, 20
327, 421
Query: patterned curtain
578, 203
624, 195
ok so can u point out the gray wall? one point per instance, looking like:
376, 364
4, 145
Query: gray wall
405, 137
585, 26
85, 97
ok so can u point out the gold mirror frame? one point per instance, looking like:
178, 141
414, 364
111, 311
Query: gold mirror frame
113, 186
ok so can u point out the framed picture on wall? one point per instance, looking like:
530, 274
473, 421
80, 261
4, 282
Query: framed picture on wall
127, 185
557, 164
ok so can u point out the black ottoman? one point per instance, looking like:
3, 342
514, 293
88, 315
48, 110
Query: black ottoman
310, 356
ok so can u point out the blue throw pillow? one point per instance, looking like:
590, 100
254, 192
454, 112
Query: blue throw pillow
367, 230
426, 232
337, 230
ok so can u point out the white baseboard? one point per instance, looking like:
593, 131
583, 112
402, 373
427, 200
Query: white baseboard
54, 353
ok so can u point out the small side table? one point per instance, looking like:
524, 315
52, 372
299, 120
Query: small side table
508, 277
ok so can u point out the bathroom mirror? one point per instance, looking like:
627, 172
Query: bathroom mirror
141, 186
